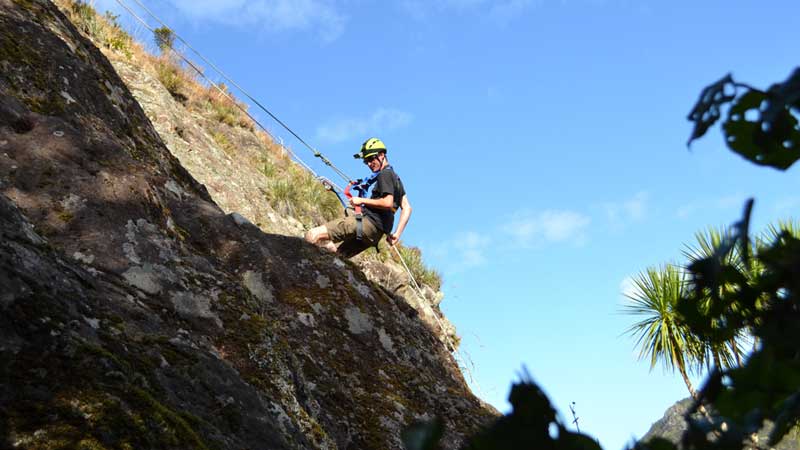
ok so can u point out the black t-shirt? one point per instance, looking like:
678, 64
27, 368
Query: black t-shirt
387, 183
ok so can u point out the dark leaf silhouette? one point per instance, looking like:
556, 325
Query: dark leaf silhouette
707, 110
774, 143
760, 126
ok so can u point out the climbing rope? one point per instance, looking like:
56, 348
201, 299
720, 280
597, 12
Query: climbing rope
464, 362
233, 83
418, 290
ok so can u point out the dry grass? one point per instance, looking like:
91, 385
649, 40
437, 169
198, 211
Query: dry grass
180, 80
224, 142
269, 168
102, 29
272, 148
222, 108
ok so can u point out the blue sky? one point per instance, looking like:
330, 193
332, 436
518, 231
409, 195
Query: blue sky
542, 144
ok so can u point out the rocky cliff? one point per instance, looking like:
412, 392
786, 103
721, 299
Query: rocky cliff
135, 312
673, 425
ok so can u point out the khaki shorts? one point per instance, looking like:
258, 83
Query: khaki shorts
344, 230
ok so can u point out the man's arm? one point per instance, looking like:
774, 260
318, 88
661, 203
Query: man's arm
385, 202
405, 205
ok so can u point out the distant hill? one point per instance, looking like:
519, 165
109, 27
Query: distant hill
673, 425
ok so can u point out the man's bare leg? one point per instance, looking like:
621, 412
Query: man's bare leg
319, 236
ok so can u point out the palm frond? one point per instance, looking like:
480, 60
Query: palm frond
660, 335
709, 243
775, 230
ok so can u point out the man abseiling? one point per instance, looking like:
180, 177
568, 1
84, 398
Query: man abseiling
388, 194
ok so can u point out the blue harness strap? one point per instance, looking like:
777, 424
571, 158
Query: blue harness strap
361, 186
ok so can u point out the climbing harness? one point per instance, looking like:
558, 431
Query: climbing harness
362, 186
358, 212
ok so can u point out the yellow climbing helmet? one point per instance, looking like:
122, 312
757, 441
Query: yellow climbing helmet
370, 147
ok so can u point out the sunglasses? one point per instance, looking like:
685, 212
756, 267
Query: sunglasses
369, 159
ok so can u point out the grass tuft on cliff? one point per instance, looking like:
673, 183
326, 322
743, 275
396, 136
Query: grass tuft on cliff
104, 30
422, 273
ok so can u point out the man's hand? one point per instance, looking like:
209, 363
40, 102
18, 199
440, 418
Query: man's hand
356, 201
392, 238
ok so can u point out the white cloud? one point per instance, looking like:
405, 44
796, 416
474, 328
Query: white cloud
731, 201
501, 10
631, 210
382, 120
465, 251
507, 10
687, 210
548, 226
471, 246
723, 203
322, 16
627, 288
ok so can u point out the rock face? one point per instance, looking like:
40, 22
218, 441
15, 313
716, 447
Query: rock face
136, 313
395, 282
672, 426
231, 176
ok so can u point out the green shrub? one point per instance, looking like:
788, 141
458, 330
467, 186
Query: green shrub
269, 168
329, 205
301, 195
120, 43
172, 77
226, 110
222, 140
282, 195
423, 274
86, 20
164, 38
224, 113
318, 203
103, 30
113, 36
